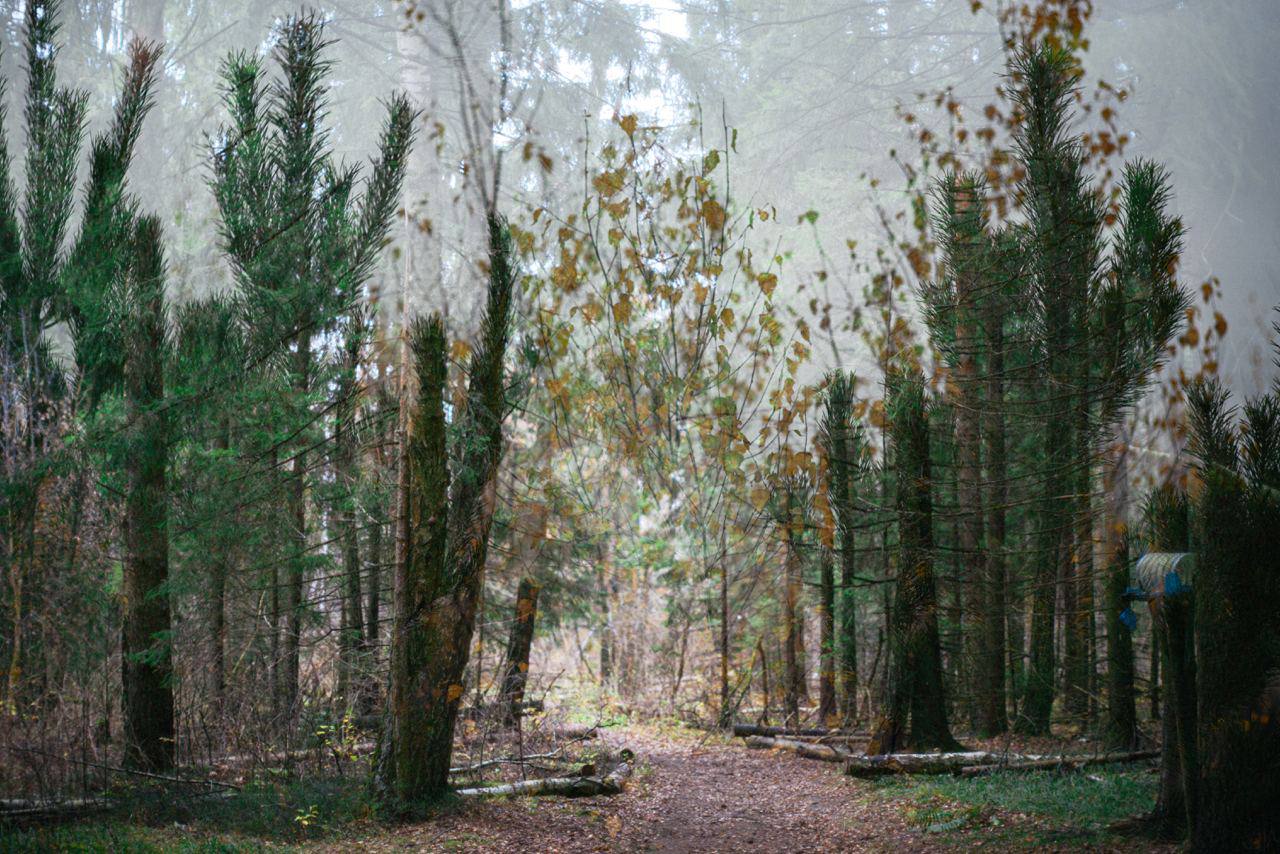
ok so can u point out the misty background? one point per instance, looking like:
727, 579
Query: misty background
811, 89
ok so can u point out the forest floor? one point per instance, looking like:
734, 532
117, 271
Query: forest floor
694, 791
700, 792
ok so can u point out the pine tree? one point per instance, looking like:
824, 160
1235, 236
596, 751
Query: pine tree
1120, 731
150, 737
108, 289
917, 709
1236, 531
1061, 241
1098, 329
451, 496
845, 446
303, 245
1169, 522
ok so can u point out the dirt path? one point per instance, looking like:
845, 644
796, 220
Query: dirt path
687, 796
718, 797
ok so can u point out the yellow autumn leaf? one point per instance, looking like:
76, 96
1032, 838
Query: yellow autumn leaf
622, 309
628, 124
767, 282
608, 183
713, 213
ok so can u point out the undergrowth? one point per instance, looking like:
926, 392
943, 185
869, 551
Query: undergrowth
1077, 805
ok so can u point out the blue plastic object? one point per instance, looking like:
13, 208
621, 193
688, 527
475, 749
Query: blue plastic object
1172, 583
1128, 619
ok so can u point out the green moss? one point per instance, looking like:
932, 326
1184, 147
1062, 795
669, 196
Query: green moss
1078, 805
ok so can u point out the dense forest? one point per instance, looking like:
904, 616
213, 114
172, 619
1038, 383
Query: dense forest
637, 426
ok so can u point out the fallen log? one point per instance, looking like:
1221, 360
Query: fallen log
824, 752
20, 811
491, 711
1059, 762
573, 787
509, 760
925, 763
745, 730
849, 741
578, 732
26, 812
974, 763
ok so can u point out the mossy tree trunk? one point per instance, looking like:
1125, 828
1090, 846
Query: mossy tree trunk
916, 692
992, 715
442, 572
844, 445
518, 647
145, 618
1169, 520
827, 711
965, 241
405, 768
792, 676
1121, 726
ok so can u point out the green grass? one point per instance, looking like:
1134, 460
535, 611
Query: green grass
112, 838
264, 814
1075, 805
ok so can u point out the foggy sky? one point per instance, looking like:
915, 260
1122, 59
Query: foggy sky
811, 87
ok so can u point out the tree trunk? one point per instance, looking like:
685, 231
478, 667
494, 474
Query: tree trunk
824, 752
145, 636
848, 642
967, 242
726, 713
679, 680
437, 611
372, 614
574, 787
351, 638
517, 675
764, 682
407, 770
221, 568
744, 730
827, 711
1058, 763
373, 584
992, 718
1176, 807
275, 623
878, 765
915, 682
295, 567
1153, 683
1079, 588
1237, 625
606, 615
792, 677
845, 446
1121, 731
1037, 702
